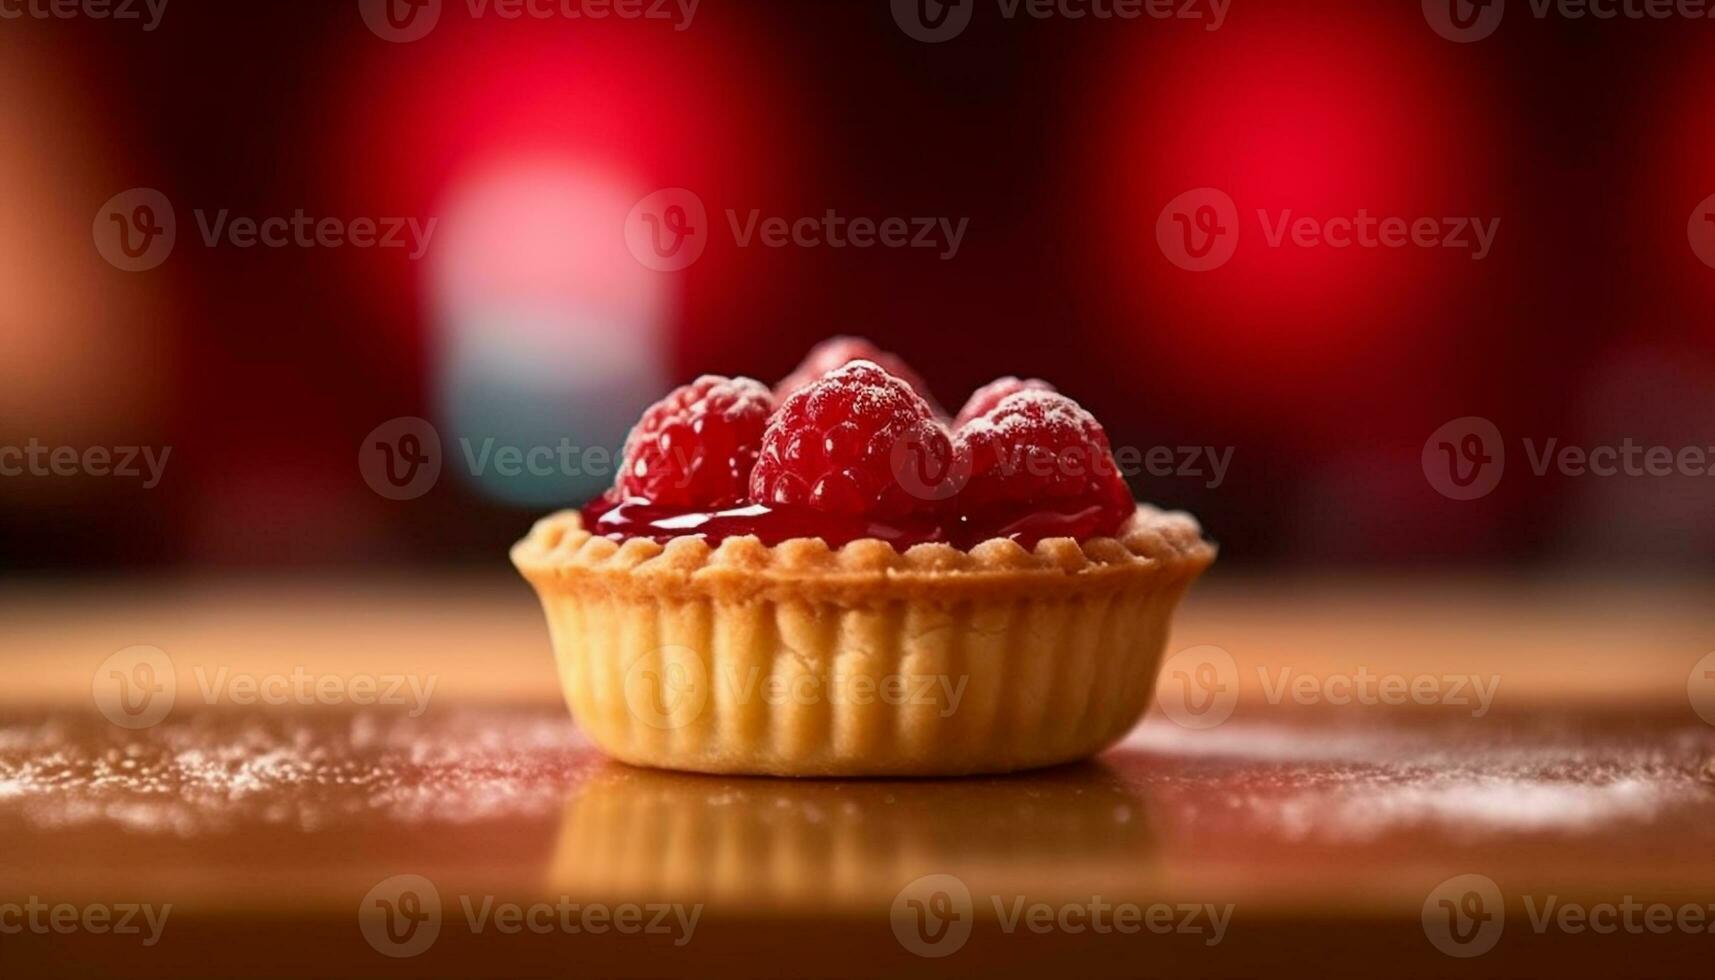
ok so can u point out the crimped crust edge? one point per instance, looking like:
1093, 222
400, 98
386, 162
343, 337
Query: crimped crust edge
559, 554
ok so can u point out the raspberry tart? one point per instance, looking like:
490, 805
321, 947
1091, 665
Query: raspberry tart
829, 578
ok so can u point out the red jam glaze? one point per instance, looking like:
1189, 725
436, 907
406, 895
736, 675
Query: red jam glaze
637, 518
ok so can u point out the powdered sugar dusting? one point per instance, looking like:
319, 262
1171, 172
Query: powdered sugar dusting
1474, 805
1351, 784
218, 772
1037, 410
735, 397
874, 391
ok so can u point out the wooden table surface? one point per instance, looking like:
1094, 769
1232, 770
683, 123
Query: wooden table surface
1295, 836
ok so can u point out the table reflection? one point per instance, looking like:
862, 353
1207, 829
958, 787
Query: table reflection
765, 844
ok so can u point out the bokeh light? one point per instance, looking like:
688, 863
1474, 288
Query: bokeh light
1295, 113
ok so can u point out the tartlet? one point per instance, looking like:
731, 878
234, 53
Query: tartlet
839, 654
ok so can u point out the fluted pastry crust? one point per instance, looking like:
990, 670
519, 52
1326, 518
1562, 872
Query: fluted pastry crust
799, 659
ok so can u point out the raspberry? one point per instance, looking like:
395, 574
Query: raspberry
837, 351
1038, 452
988, 396
832, 444
696, 447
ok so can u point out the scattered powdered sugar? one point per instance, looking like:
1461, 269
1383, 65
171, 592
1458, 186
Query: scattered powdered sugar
218, 772
1350, 784
1036, 409
734, 396
873, 392
222, 772
1470, 805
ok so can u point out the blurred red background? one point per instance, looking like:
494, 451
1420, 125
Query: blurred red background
1060, 140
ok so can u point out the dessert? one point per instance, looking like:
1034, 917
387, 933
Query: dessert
828, 578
